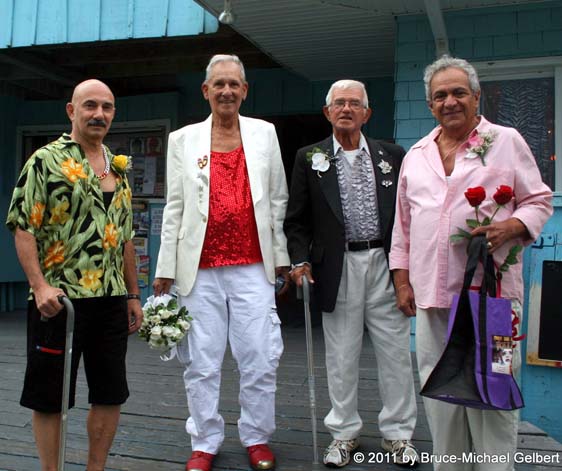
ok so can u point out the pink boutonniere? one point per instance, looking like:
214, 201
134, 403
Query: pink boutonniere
478, 145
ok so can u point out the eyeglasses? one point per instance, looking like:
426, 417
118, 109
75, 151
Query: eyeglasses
355, 105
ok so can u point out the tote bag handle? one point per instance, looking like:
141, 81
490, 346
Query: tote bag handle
478, 253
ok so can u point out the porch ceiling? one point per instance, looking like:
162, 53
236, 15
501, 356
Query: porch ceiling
130, 67
322, 39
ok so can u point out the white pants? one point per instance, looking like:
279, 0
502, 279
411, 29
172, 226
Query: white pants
457, 429
366, 297
234, 303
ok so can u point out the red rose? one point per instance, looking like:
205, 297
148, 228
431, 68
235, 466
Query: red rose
503, 195
475, 196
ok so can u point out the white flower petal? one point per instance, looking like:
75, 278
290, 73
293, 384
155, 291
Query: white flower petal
322, 166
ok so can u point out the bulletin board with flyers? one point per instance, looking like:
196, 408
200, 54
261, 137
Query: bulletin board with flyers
144, 141
147, 148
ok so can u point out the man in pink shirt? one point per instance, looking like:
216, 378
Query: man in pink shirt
464, 151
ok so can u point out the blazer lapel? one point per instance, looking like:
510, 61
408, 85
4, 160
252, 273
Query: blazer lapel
385, 181
252, 158
328, 182
197, 149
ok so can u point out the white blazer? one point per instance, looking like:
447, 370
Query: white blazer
187, 207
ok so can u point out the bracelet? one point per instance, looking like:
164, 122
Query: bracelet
133, 296
402, 286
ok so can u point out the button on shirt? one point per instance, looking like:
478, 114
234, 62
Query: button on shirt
430, 207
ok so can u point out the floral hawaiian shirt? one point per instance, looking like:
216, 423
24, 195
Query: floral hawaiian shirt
58, 199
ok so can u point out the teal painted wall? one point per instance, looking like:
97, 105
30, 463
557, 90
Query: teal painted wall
36, 22
542, 385
478, 35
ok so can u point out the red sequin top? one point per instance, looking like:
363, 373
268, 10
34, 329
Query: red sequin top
232, 233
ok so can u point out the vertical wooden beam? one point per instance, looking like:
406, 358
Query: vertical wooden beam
437, 23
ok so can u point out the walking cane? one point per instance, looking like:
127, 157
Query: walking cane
305, 294
66, 378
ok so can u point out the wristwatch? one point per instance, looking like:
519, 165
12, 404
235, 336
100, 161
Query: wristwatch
133, 296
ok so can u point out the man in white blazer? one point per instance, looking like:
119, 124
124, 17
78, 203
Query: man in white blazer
223, 246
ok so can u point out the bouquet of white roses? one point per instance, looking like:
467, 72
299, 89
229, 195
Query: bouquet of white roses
164, 324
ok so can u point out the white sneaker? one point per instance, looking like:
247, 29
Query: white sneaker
338, 453
403, 452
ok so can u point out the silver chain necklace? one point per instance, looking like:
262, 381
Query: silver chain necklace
105, 172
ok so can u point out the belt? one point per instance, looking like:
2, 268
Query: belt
356, 245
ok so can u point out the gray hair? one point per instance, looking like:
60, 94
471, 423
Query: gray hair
224, 58
446, 62
346, 85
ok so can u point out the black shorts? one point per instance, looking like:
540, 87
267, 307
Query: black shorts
100, 333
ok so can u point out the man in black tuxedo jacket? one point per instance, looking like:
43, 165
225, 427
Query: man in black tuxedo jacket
338, 226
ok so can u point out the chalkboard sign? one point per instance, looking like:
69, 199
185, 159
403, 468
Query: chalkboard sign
550, 333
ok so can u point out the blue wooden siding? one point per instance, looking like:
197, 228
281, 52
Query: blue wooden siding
479, 35
476, 35
36, 22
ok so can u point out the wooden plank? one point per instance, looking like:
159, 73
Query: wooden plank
52, 22
184, 16
150, 18
6, 22
84, 20
114, 19
24, 23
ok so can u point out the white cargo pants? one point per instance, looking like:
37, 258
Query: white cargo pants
234, 303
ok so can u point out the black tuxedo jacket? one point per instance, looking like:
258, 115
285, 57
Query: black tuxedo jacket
314, 222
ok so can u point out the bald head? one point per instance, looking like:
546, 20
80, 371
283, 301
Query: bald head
91, 111
89, 85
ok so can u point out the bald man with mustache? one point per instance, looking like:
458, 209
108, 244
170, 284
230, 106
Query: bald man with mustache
72, 221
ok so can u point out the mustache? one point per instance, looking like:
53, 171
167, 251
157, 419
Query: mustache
97, 122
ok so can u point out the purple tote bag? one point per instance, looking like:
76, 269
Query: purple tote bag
475, 368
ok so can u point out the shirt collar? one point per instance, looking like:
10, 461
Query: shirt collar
482, 126
363, 146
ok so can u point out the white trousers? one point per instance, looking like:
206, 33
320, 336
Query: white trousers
457, 429
234, 304
366, 297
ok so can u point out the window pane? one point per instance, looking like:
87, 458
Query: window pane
528, 106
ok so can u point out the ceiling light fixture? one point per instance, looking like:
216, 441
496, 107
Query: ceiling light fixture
227, 17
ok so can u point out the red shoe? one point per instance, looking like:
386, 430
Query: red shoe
200, 461
261, 457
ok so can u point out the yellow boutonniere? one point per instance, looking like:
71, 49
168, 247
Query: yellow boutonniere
122, 163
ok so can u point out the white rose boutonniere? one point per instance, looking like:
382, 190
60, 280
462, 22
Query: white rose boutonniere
320, 160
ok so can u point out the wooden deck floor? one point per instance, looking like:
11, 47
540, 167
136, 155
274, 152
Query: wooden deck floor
152, 437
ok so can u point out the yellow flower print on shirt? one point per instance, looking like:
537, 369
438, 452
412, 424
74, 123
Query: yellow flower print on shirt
73, 170
123, 197
59, 214
110, 236
55, 254
91, 279
36, 218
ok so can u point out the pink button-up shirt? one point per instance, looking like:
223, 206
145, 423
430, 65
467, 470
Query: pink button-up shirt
430, 207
